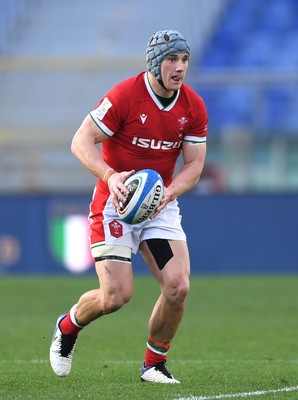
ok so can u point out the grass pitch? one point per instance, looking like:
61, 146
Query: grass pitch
238, 339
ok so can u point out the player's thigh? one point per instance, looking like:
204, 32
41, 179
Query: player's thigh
113, 267
115, 278
168, 260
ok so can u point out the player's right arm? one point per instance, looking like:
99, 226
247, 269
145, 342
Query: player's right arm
84, 147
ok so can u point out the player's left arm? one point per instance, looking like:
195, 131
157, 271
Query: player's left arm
194, 156
193, 151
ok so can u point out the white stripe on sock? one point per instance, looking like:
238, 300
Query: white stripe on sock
73, 318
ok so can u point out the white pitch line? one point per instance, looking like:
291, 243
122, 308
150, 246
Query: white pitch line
240, 395
215, 397
34, 361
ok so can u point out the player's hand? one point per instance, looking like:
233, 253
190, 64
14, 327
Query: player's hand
167, 197
117, 188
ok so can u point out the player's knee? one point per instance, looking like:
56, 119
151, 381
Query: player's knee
182, 291
177, 290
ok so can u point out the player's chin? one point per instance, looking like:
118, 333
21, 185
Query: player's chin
175, 84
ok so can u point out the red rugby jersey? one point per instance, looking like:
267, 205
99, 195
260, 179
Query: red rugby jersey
142, 132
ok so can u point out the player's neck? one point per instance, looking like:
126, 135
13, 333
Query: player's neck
165, 101
158, 88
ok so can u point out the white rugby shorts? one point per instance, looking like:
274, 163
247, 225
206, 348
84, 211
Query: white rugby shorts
166, 225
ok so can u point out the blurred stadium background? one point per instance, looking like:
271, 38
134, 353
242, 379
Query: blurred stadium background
58, 58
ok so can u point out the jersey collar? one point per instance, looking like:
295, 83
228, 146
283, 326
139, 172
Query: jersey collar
155, 98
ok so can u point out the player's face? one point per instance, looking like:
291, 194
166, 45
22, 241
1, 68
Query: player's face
173, 70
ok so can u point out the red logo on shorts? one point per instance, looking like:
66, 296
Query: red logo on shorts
116, 229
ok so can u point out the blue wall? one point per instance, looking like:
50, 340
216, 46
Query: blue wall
226, 233
242, 234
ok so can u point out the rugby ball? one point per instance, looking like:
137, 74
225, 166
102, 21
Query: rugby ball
146, 190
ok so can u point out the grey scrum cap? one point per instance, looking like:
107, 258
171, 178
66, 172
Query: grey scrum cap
162, 44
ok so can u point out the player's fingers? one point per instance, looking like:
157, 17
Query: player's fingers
115, 202
124, 176
162, 205
116, 188
118, 195
165, 200
116, 182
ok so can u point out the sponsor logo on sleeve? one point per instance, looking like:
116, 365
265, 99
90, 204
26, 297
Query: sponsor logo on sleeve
103, 108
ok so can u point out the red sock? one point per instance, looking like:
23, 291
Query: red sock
155, 353
67, 327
